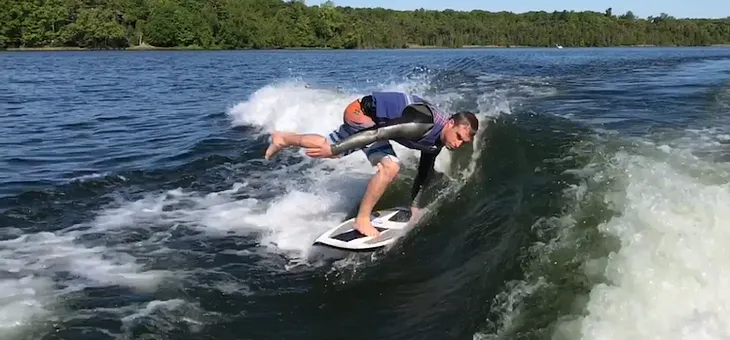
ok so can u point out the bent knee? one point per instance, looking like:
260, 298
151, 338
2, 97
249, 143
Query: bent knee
389, 167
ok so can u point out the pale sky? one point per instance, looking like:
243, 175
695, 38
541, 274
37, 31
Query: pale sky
642, 8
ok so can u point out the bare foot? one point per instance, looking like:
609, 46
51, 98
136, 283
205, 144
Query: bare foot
366, 228
277, 142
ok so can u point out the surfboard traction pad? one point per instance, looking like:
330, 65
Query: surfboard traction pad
345, 232
400, 216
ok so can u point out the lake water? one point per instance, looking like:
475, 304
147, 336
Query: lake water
135, 202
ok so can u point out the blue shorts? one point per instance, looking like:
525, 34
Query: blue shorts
374, 152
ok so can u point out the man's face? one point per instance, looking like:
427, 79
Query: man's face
456, 135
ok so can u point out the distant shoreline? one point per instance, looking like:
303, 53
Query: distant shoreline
409, 47
200, 25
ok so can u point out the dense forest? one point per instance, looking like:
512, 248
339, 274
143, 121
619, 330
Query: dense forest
233, 24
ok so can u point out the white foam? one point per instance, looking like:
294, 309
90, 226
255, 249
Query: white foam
669, 279
292, 106
21, 300
40, 268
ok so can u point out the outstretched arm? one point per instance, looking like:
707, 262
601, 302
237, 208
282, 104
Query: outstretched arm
425, 172
412, 125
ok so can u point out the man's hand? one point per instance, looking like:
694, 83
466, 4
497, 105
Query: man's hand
324, 151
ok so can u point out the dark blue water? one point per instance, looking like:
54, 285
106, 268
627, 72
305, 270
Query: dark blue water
135, 202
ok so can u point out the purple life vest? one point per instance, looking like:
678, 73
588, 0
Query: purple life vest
390, 105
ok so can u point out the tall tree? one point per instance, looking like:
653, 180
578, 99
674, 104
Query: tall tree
285, 24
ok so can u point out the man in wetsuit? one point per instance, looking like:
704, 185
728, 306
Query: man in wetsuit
369, 124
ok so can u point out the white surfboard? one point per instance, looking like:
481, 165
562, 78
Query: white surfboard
391, 223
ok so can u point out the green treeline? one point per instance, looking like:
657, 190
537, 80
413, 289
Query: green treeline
231, 24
